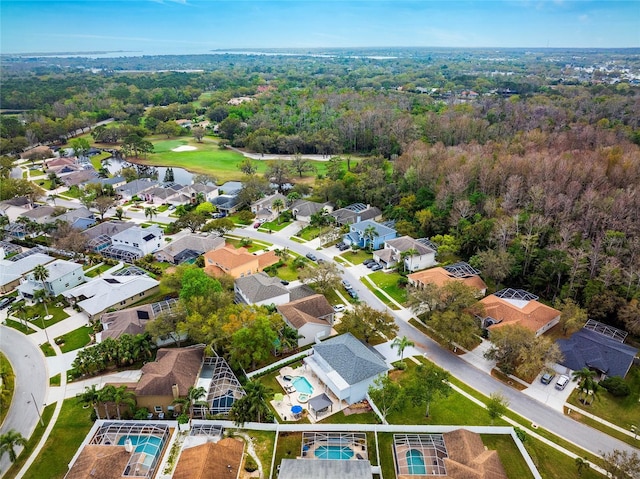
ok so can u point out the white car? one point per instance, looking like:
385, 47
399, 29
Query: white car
562, 382
339, 308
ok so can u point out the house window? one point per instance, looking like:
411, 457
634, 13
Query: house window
141, 294
157, 409
135, 244
123, 302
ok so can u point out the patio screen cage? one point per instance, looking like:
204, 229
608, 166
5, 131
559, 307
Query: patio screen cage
224, 388
419, 454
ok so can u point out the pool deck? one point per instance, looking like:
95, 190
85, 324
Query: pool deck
283, 408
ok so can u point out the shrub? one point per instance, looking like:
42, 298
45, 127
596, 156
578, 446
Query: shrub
616, 386
402, 282
250, 464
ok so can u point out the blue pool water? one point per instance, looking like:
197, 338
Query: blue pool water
150, 445
334, 452
415, 462
302, 385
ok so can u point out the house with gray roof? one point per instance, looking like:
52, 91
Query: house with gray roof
413, 254
303, 209
40, 214
311, 316
347, 366
188, 247
359, 234
135, 187
356, 213
260, 289
598, 351
324, 468
63, 275
263, 208
81, 218
11, 272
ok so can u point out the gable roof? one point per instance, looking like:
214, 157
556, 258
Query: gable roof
312, 309
593, 350
306, 208
531, 314
267, 201
350, 358
260, 287
211, 460
134, 187
381, 229
194, 242
109, 228
178, 366
355, 213
468, 459
13, 270
406, 243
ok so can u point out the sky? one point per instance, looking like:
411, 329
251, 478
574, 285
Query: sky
198, 26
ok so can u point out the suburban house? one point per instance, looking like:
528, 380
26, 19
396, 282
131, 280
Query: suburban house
135, 242
461, 271
211, 459
415, 254
309, 469
263, 208
517, 306
114, 182
78, 177
222, 386
369, 233
312, 317
55, 164
134, 188
160, 194
63, 275
347, 366
236, 262
260, 289
12, 270
168, 378
80, 218
40, 214
302, 210
227, 200
598, 347
100, 235
111, 291
356, 213
184, 123
205, 192
188, 247
134, 320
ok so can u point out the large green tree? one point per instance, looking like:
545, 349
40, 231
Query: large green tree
428, 384
368, 323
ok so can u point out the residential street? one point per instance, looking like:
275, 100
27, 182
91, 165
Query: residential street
540, 414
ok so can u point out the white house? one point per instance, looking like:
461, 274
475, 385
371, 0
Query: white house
63, 275
346, 366
11, 272
260, 289
144, 240
417, 253
311, 316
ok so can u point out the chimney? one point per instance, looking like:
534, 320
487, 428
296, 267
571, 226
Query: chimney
175, 391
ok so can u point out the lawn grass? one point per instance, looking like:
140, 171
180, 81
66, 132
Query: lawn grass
285, 272
38, 310
380, 295
75, 339
512, 461
55, 380
274, 225
356, 257
19, 326
309, 232
553, 464
47, 350
32, 442
8, 385
96, 160
72, 426
623, 411
388, 282
289, 446
340, 418
162, 208
263, 444
604, 428
252, 247
98, 271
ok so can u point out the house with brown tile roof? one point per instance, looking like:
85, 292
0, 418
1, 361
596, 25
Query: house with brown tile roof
442, 275
168, 377
211, 460
108, 461
237, 262
469, 459
312, 317
518, 307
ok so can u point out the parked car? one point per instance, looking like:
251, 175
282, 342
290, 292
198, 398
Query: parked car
7, 301
371, 265
346, 284
339, 308
547, 378
369, 261
257, 225
219, 215
376, 267
343, 247
352, 293
311, 256
284, 282
562, 382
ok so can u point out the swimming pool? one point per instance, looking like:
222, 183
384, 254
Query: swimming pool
150, 445
415, 462
334, 452
302, 385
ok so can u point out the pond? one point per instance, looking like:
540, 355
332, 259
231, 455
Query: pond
180, 175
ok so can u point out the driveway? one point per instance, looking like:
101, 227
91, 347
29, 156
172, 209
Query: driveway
32, 382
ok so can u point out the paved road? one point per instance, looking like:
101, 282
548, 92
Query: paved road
554, 421
32, 377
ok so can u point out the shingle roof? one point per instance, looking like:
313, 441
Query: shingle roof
468, 459
347, 215
127, 321
323, 469
13, 270
193, 242
211, 460
260, 287
350, 358
312, 309
178, 366
108, 461
108, 228
405, 243
306, 208
591, 349
381, 229
301, 291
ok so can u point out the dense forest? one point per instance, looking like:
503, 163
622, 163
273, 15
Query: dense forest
527, 165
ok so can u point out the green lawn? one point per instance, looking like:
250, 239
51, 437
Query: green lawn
340, 418
72, 193
286, 272
55, 380
47, 350
19, 326
552, 464
251, 248
512, 461
8, 385
263, 444
356, 257
620, 411
38, 310
388, 282
99, 270
289, 446
75, 339
274, 226
72, 426
309, 232
162, 208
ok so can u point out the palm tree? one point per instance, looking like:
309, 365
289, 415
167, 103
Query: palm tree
121, 395
193, 398
401, 343
91, 397
410, 253
278, 206
282, 253
8, 443
587, 384
105, 396
150, 212
253, 406
370, 233
119, 213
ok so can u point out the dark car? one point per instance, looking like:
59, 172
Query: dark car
7, 301
352, 293
371, 265
284, 282
376, 267
547, 378
311, 256
369, 261
346, 284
